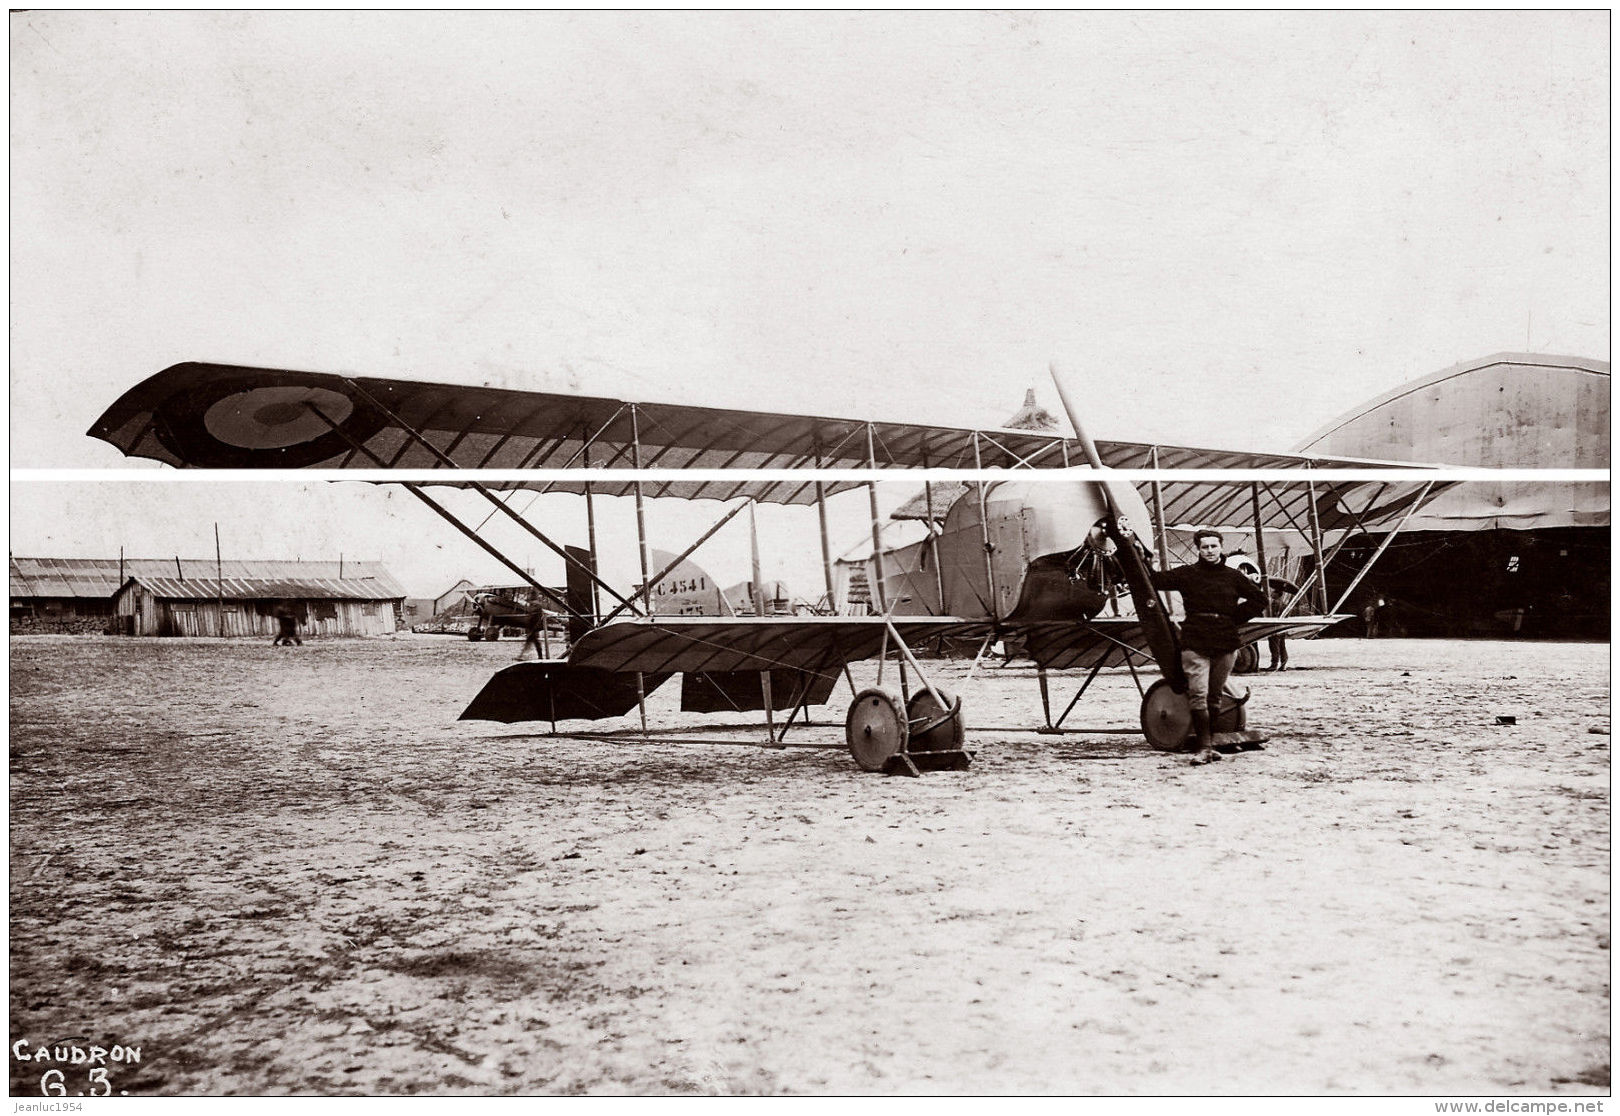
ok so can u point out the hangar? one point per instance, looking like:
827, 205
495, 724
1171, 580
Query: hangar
1520, 558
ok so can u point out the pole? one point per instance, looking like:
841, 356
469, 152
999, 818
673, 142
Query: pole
219, 580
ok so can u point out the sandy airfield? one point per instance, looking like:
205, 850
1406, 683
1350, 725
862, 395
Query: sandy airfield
293, 871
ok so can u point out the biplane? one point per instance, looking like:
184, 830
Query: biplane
1051, 562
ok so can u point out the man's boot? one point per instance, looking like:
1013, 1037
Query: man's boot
1206, 752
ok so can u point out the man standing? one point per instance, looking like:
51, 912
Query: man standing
1217, 599
286, 614
1281, 592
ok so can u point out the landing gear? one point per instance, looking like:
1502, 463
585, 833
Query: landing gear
1167, 719
876, 728
922, 734
1247, 661
935, 729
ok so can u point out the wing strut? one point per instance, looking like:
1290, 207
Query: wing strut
684, 555
450, 518
1319, 575
1383, 546
1316, 548
879, 594
1260, 548
934, 531
984, 536
500, 504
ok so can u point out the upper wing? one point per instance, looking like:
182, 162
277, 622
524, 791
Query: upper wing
199, 415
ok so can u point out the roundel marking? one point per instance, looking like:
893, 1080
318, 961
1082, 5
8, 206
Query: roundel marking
275, 417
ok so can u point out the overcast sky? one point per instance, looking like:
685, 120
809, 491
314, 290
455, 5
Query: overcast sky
1229, 227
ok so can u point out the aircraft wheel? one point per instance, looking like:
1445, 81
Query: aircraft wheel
945, 736
491, 635
474, 635
1247, 661
1234, 715
1166, 717
875, 728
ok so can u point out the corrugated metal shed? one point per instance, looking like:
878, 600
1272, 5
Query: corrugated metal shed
99, 577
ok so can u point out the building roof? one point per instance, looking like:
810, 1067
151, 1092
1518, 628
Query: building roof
265, 589
1546, 420
1503, 411
102, 577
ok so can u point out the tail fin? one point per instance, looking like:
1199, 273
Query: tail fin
581, 610
687, 590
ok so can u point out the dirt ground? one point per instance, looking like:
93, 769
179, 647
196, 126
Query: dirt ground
293, 871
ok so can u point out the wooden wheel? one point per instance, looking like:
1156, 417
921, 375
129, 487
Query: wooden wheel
1234, 714
875, 728
923, 710
1166, 717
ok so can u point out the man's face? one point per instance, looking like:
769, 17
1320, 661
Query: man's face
1209, 550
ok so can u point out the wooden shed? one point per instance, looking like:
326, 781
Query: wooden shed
246, 606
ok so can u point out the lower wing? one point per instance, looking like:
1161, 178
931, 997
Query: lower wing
725, 660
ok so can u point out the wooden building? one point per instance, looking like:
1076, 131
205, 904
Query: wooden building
247, 606
63, 594
417, 610
80, 594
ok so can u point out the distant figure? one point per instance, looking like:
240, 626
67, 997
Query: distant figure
1218, 598
1281, 591
287, 624
1278, 592
532, 631
1369, 616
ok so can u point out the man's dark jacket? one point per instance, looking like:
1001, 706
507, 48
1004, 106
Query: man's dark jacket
1218, 599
